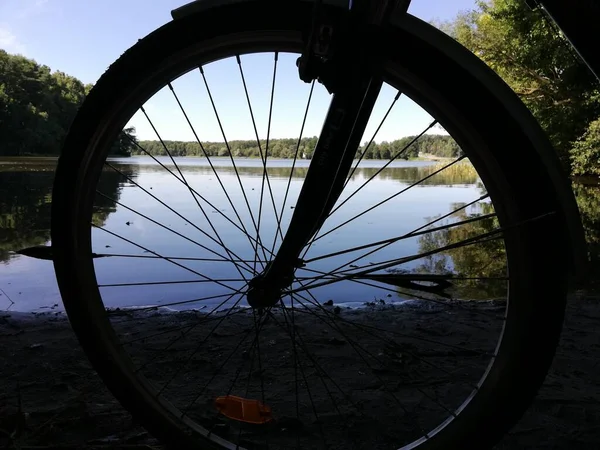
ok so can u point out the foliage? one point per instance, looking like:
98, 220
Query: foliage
125, 144
535, 59
588, 200
459, 173
37, 107
585, 154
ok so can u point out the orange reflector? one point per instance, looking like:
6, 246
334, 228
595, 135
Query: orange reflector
243, 409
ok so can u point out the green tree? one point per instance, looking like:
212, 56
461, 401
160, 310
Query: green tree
125, 143
535, 59
38, 106
585, 154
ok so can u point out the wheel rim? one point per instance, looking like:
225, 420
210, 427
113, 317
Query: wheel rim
284, 316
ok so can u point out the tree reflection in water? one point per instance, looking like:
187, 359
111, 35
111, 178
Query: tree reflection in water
25, 199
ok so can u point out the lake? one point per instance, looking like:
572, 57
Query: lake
131, 193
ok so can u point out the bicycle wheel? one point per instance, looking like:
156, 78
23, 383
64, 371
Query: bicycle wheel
452, 350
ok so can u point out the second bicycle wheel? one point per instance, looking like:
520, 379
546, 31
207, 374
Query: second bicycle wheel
426, 310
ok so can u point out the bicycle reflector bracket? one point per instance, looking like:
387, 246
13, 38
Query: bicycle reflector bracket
244, 409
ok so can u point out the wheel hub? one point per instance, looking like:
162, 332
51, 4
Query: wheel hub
264, 291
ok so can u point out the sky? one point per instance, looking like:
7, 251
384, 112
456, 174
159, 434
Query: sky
82, 38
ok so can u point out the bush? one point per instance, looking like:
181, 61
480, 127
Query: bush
585, 154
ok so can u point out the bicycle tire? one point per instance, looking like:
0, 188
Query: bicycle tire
533, 325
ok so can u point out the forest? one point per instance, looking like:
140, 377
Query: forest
436, 145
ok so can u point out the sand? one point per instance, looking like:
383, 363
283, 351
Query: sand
50, 396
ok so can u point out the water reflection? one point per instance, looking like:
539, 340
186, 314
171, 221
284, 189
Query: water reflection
250, 168
25, 194
25, 198
481, 265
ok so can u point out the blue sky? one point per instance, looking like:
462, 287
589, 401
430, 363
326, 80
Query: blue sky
82, 38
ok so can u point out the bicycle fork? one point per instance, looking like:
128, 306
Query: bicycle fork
340, 54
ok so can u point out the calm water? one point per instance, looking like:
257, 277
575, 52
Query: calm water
25, 188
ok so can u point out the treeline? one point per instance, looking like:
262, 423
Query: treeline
436, 145
37, 107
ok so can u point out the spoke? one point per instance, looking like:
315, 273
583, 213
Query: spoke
385, 200
193, 327
276, 57
303, 346
196, 350
185, 302
462, 243
459, 350
376, 359
173, 211
319, 369
362, 155
241, 366
149, 283
182, 258
333, 317
260, 370
264, 156
355, 346
385, 242
295, 353
382, 265
409, 336
316, 236
287, 188
225, 361
214, 208
162, 257
346, 275
413, 233
307, 384
174, 329
392, 159
185, 180
229, 152
208, 159
446, 303
180, 234
403, 277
